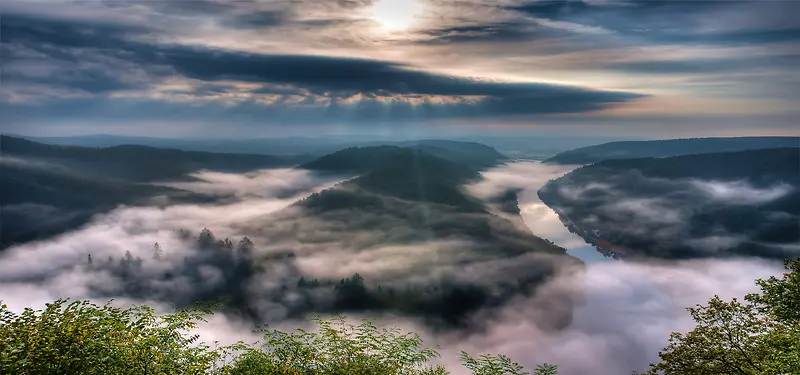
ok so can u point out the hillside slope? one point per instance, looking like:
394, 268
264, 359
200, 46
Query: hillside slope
46, 189
703, 205
668, 148
462, 258
137, 163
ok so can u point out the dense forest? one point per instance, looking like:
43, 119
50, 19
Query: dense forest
703, 205
239, 266
135, 163
667, 148
46, 190
402, 196
759, 335
412, 198
49, 189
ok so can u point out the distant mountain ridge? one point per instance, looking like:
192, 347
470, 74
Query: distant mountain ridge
138, 163
299, 147
48, 189
668, 148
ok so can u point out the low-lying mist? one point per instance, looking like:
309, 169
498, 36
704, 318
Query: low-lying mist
628, 309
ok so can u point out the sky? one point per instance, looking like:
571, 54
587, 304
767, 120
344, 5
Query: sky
645, 68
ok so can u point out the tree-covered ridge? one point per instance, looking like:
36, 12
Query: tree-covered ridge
408, 188
136, 163
760, 336
39, 201
407, 197
716, 204
47, 189
472, 154
762, 167
668, 148
368, 159
239, 265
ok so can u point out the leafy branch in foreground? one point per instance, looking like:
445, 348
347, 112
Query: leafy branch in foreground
83, 338
760, 336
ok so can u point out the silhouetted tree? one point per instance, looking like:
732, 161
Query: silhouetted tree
245, 247
157, 251
206, 239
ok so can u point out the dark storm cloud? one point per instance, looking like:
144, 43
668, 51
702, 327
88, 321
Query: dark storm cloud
30, 30
258, 19
677, 21
323, 74
193, 7
57, 41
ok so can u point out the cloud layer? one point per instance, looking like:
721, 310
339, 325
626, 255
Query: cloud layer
266, 65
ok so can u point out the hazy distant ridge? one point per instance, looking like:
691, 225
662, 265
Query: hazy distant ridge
667, 148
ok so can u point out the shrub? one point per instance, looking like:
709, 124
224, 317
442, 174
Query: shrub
83, 338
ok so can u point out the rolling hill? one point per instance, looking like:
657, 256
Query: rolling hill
48, 189
668, 148
744, 203
408, 198
137, 163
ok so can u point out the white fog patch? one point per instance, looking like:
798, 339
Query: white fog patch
651, 210
268, 183
631, 310
741, 192
528, 175
716, 243
55, 268
29, 163
390, 262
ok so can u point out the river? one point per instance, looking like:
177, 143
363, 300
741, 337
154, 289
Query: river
529, 177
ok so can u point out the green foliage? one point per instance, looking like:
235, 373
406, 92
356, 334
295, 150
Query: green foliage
760, 336
339, 348
84, 338
488, 364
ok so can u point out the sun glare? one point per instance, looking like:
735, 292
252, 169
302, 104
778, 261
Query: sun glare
395, 15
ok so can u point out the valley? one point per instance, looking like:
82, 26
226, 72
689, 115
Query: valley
444, 234
356, 206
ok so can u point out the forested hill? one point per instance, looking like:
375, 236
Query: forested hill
702, 205
472, 154
668, 148
762, 166
47, 189
405, 173
407, 201
137, 163
458, 157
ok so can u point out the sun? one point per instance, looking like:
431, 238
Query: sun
395, 15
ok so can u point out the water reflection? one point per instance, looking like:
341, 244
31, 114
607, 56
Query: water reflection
529, 177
